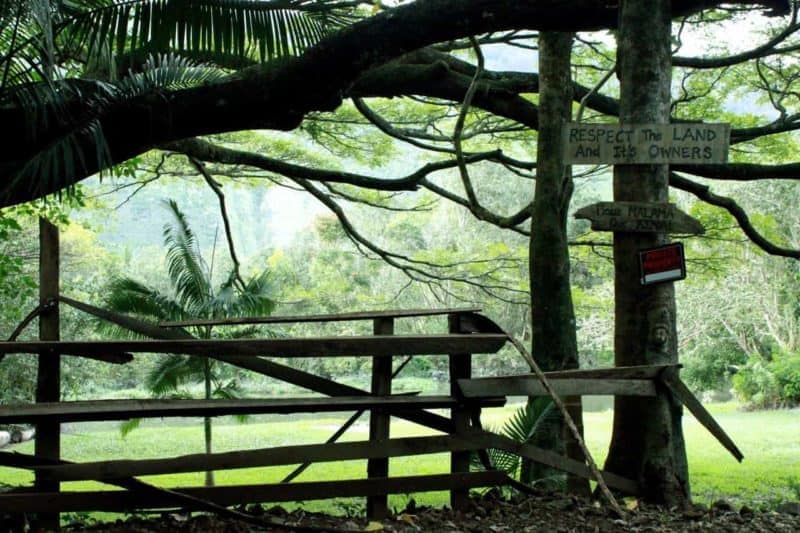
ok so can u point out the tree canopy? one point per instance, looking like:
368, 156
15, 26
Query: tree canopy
70, 122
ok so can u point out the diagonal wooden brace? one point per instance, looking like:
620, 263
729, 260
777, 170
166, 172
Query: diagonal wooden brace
670, 378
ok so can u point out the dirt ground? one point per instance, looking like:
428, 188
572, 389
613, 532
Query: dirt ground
551, 513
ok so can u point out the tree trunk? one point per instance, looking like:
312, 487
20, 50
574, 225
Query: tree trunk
553, 316
647, 442
207, 420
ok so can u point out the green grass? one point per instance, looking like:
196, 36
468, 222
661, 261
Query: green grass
770, 441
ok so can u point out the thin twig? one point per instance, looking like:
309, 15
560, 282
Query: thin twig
24, 324
215, 186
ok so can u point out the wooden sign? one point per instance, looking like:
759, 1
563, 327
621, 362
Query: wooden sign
661, 264
615, 144
639, 217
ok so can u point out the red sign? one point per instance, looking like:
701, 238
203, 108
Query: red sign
661, 264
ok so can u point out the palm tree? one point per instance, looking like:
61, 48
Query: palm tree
192, 295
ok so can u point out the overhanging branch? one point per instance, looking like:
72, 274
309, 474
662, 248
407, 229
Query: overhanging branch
703, 192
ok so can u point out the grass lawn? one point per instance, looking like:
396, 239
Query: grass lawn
770, 441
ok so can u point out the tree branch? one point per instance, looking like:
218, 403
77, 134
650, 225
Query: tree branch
768, 48
704, 193
217, 188
413, 268
742, 171
206, 151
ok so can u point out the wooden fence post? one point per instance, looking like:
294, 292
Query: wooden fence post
48, 379
460, 368
377, 506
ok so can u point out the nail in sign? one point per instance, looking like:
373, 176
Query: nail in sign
662, 264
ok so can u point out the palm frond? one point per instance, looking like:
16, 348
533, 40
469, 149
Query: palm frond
245, 332
127, 295
527, 419
501, 460
252, 300
521, 427
227, 391
166, 71
231, 391
61, 158
271, 28
187, 269
171, 372
26, 43
64, 155
126, 426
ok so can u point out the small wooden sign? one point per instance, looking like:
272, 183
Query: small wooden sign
662, 264
637, 144
640, 217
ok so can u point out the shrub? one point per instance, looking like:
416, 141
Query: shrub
775, 383
787, 374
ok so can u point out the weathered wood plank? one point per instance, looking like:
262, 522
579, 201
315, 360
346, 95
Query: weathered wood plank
531, 386
166, 496
460, 367
339, 317
377, 505
48, 372
256, 364
491, 440
114, 358
639, 217
375, 345
121, 501
620, 372
344, 427
688, 399
84, 411
646, 144
282, 455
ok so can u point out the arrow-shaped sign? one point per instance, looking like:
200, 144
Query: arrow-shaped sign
640, 217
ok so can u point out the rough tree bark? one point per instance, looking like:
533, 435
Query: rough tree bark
647, 442
553, 315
